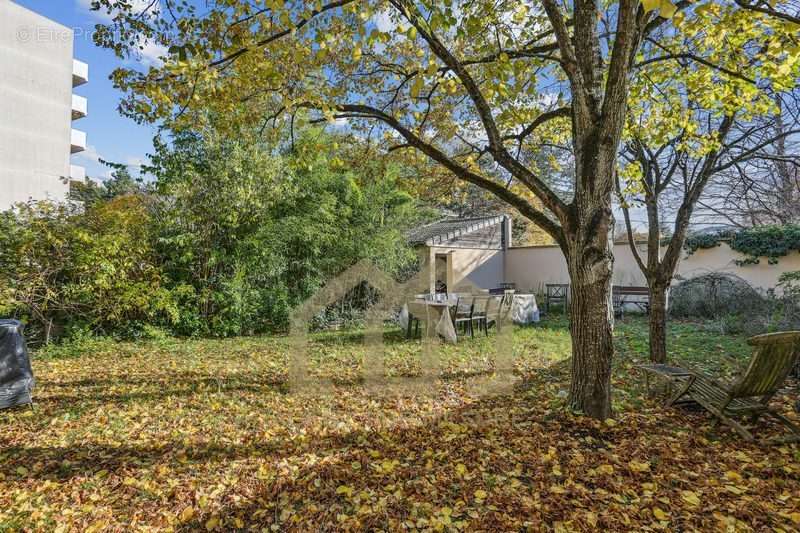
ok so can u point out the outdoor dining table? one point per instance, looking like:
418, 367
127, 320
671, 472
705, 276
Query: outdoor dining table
437, 316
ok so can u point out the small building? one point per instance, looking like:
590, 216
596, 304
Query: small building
464, 249
38, 107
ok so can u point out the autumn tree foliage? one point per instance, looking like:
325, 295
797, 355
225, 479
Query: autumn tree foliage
698, 120
477, 87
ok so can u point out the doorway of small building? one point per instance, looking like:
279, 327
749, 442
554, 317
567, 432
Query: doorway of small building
443, 268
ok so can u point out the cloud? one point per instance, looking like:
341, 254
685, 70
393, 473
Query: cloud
90, 155
104, 16
135, 162
91, 159
98, 171
383, 21
152, 53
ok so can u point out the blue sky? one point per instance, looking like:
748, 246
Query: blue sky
109, 135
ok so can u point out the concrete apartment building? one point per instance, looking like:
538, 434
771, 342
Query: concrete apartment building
37, 107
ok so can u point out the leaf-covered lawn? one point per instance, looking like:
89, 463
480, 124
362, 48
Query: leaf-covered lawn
205, 435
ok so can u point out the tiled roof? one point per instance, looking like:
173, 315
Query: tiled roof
450, 228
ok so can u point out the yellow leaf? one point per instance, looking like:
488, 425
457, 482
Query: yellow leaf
690, 497
344, 489
431, 70
639, 467
650, 5
659, 514
606, 469
461, 469
480, 494
416, 87
667, 9
212, 524
187, 514
733, 476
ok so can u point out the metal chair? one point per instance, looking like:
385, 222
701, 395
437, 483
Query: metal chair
479, 305
416, 311
494, 312
462, 314
556, 293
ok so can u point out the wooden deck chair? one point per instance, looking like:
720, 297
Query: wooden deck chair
774, 354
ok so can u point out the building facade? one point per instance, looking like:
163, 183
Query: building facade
38, 107
463, 252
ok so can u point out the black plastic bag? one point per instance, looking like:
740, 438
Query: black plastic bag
16, 376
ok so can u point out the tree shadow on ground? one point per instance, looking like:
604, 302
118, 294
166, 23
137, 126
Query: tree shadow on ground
502, 463
510, 462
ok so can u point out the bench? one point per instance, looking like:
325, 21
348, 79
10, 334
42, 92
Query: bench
624, 294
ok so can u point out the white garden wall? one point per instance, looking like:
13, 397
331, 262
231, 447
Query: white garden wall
530, 267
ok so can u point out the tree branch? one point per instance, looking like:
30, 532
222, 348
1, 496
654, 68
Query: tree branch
549, 198
561, 112
522, 205
768, 9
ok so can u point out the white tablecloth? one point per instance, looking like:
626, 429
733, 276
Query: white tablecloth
524, 309
437, 320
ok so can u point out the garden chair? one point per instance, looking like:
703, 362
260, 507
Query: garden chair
479, 306
556, 293
462, 315
774, 354
416, 312
494, 312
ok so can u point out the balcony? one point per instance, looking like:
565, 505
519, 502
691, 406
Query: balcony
78, 141
80, 107
80, 73
77, 173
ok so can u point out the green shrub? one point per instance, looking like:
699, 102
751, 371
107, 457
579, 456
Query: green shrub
769, 241
230, 237
66, 270
735, 307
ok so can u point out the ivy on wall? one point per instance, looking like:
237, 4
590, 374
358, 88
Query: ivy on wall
771, 242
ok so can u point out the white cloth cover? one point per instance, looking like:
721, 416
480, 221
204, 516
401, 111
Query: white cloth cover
438, 320
402, 319
445, 327
524, 309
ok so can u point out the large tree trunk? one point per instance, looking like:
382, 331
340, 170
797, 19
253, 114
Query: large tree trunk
658, 322
599, 108
590, 262
592, 343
